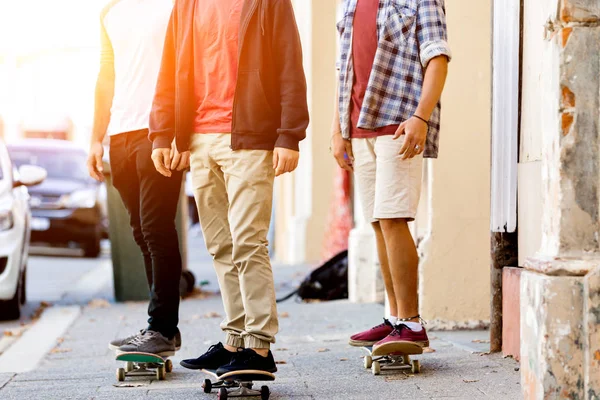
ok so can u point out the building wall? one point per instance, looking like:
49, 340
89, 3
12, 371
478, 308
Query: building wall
303, 199
455, 251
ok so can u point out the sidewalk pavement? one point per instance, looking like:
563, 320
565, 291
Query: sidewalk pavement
315, 361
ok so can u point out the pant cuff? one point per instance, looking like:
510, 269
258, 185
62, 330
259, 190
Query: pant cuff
234, 340
253, 342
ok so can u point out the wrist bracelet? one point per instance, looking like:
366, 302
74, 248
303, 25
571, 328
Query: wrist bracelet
422, 119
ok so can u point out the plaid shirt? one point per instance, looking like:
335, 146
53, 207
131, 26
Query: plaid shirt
411, 33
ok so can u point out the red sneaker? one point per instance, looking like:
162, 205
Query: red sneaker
373, 335
402, 340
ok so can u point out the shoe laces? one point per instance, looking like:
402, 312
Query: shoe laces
143, 338
386, 322
214, 348
398, 329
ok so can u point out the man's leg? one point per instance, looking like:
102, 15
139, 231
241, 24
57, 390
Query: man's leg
397, 192
159, 197
249, 177
213, 208
125, 181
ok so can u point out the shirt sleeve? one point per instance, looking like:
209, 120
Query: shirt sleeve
432, 32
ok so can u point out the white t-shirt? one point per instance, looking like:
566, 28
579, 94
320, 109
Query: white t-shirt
134, 33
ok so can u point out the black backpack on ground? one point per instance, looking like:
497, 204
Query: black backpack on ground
328, 282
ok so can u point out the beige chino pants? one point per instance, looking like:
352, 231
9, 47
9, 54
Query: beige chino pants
234, 195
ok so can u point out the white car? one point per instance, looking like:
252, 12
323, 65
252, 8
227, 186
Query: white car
15, 231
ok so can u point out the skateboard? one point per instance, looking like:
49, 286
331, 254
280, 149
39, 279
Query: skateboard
396, 361
143, 364
238, 384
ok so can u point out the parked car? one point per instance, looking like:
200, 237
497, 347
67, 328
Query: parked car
15, 228
69, 206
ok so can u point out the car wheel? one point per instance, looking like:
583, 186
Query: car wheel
92, 248
11, 309
23, 298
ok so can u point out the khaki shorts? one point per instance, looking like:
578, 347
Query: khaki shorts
389, 187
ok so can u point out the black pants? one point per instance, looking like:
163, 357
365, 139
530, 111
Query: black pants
151, 200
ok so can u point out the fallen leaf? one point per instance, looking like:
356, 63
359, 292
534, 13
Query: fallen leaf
60, 340
281, 349
99, 303
480, 341
280, 362
428, 350
92, 320
343, 359
8, 333
284, 315
58, 350
323, 350
597, 355
38, 311
212, 314
470, 381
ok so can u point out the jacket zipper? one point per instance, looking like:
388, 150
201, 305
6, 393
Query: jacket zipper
253, 8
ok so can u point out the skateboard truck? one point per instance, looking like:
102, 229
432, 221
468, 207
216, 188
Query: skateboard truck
143, 364
390, 363
236, 384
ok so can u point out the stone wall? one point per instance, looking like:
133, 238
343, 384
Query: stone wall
560, 289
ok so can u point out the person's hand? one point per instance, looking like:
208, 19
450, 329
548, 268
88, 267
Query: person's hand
94, 161
415, 131
284, 160
342, 151
162, 161
179, 161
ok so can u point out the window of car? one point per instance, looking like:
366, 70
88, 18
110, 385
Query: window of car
60, 164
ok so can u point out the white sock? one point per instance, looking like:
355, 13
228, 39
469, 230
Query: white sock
393, 320
414, 326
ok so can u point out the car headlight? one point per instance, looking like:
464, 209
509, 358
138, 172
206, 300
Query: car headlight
85, 198
6, 220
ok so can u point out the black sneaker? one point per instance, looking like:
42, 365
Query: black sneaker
216, 356
248, 359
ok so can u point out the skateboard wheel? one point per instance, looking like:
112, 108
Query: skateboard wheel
265, 393
120, 374
169, 366
161, 373
222, 394
368, 362
128, 366
376, 368
416, 366
207, 386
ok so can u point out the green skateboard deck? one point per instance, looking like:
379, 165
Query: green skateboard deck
143, 364
393, 361
238, 384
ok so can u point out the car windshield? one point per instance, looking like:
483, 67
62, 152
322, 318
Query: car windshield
60, 164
